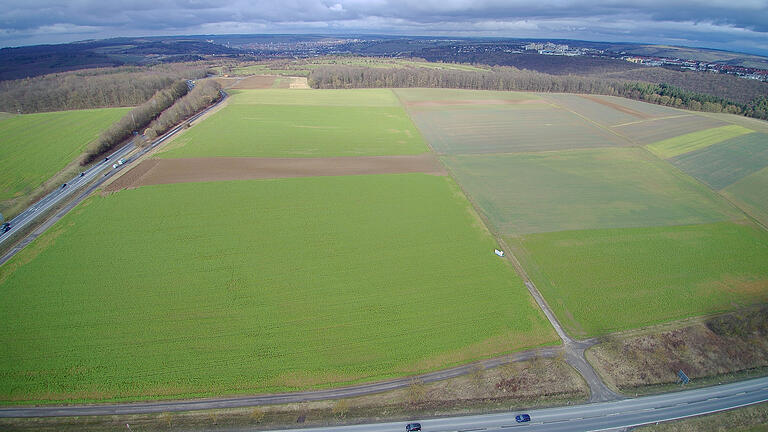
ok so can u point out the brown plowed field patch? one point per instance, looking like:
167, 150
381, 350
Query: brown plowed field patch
617, 107
477, 102
164, 171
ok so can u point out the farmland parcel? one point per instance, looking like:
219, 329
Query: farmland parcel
751, 194
614, 237
600, 281
303, 123
722, 164
465, 122
253, 286
584, 189
37, 146
696, 140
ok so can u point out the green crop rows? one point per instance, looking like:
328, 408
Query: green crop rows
651, 131
253, 286
696, 140
599, 281
600, 113
37, 146
303, 123
751, 194
722, 164
584, 189
352, 98
512, 128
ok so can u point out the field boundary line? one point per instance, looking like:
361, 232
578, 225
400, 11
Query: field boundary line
594, 123
653, 119
684, 174
574, 350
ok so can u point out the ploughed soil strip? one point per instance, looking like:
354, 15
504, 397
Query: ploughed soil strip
164, 171
618, 107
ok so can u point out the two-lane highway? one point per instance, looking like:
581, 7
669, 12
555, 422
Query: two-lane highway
62, 192
592, 417
94, 176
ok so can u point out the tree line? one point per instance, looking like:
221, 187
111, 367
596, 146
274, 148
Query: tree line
135, 120
92, 88
156, 116
202, 95
508, 78
729, 87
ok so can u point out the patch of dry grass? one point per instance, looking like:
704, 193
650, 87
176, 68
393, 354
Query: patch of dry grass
726, 344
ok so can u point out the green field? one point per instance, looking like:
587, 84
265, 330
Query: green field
37, 146
356, 97
505, 129
253, 286
600, 281
307, 123
722, 164
751, 194
584, 189
654, 130
647, 109
696, 140
599, 113
477, 122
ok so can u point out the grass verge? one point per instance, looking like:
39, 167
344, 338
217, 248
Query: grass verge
752, 418
532, 384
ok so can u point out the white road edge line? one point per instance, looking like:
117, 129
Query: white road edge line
682, 417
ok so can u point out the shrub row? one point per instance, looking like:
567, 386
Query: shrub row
202, 95
135, 120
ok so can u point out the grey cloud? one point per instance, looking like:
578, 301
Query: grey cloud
720, 22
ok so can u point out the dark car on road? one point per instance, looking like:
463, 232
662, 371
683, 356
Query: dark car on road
522, 418
412, 427
5, 228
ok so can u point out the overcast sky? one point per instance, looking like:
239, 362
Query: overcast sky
737, 25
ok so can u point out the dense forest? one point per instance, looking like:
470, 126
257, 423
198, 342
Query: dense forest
92, 88
509, 78
728, 87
